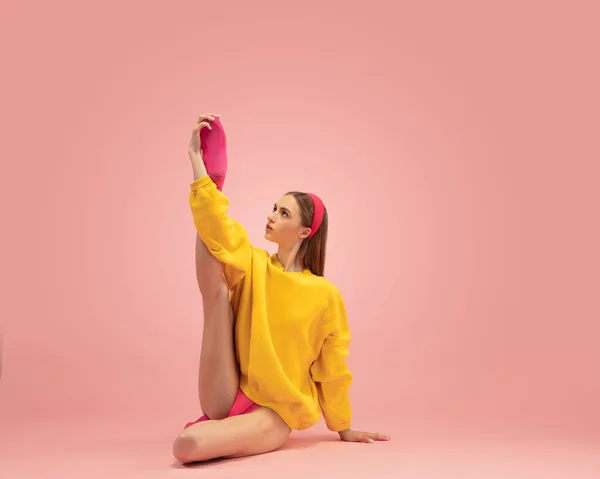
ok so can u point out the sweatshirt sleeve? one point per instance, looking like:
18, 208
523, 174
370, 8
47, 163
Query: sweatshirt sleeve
224, 237
330, 371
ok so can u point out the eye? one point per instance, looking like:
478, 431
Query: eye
283, 212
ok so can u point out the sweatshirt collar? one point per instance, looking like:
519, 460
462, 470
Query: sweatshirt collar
279, 266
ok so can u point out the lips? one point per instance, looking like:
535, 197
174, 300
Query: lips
269, 227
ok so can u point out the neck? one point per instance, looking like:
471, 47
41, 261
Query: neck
288, 257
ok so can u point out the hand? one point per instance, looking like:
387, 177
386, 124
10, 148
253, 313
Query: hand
202, 122
358, 436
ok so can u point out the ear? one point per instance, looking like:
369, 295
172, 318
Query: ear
305, 233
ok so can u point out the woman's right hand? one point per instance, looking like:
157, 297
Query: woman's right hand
202, 122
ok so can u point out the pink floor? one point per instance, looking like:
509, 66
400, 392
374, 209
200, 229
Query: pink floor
111, 449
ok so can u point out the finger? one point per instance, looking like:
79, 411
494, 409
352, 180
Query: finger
208, 116
366, 439
203, 124
378, 437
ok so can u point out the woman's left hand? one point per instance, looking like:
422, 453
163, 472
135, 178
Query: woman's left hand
203, 121
358, 436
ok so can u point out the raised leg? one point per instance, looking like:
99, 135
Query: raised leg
258, 432
218, 378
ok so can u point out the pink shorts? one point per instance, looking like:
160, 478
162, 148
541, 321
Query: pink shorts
241, 405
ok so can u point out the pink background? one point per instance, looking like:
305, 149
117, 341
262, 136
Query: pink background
454, 144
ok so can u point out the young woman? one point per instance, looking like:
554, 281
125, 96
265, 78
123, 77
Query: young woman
275, 330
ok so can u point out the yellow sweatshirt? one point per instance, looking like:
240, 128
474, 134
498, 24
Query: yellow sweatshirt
291, 331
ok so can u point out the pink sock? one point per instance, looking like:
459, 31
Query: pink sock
214, 152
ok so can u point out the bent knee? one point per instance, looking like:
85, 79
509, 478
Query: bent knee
185, 447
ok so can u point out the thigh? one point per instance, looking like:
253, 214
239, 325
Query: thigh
218, 378
209, 272
258, 432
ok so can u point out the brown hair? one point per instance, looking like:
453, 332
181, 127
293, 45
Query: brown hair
312, 250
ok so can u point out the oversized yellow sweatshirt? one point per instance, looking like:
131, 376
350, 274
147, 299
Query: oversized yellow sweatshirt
291, 331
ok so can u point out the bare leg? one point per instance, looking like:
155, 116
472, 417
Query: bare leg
258, 432
218, 378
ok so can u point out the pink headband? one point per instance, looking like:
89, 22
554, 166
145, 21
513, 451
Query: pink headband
318, 214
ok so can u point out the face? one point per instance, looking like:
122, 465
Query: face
284, 224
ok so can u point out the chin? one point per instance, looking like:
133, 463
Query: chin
268, 236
